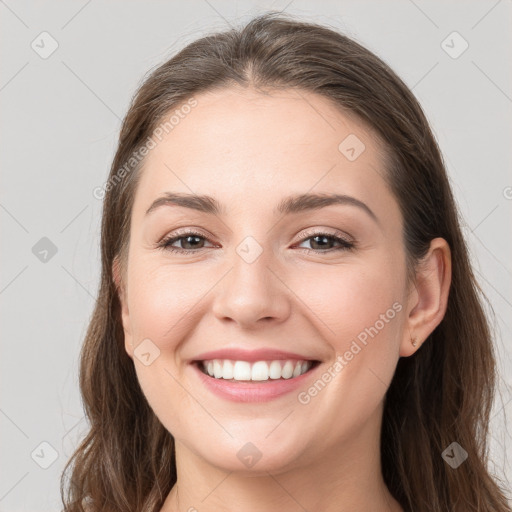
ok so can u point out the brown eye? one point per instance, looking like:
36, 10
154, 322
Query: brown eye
189, 241
323, 242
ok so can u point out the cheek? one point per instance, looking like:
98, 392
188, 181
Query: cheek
360, 312
360, 316
161, 303
348, 300
162, 300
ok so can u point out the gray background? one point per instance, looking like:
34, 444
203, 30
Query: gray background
60, 120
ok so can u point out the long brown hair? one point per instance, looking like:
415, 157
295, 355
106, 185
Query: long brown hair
440, 395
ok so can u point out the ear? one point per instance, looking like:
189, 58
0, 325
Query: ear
428, 297
125, 314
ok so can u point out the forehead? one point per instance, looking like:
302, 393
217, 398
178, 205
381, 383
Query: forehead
249, 148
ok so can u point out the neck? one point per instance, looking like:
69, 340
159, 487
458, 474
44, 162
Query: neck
347, 477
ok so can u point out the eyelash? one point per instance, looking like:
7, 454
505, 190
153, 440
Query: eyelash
166, 243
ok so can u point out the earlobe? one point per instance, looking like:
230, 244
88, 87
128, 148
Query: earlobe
125, 316
429, 296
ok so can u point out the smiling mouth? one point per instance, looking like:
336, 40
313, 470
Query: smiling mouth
258, 371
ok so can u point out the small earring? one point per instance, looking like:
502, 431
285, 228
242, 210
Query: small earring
414, 341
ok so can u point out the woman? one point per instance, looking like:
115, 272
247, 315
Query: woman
287, 317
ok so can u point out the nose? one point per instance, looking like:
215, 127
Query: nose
252, 294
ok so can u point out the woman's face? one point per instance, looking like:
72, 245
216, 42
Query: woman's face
266, 279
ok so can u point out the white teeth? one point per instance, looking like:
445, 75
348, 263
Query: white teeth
242, 370
287, 371
217, 369
275, 370
227, 370
257, 371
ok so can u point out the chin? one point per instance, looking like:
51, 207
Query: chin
251, 458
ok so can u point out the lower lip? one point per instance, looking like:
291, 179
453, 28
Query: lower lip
240, 391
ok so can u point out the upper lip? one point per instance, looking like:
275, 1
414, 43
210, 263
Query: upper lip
239, 354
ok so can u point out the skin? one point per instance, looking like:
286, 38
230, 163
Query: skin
249, 150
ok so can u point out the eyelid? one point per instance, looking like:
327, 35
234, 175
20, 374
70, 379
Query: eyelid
183, 232
348, 243
309, 232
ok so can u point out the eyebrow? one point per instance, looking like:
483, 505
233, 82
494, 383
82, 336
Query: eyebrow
289, 205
